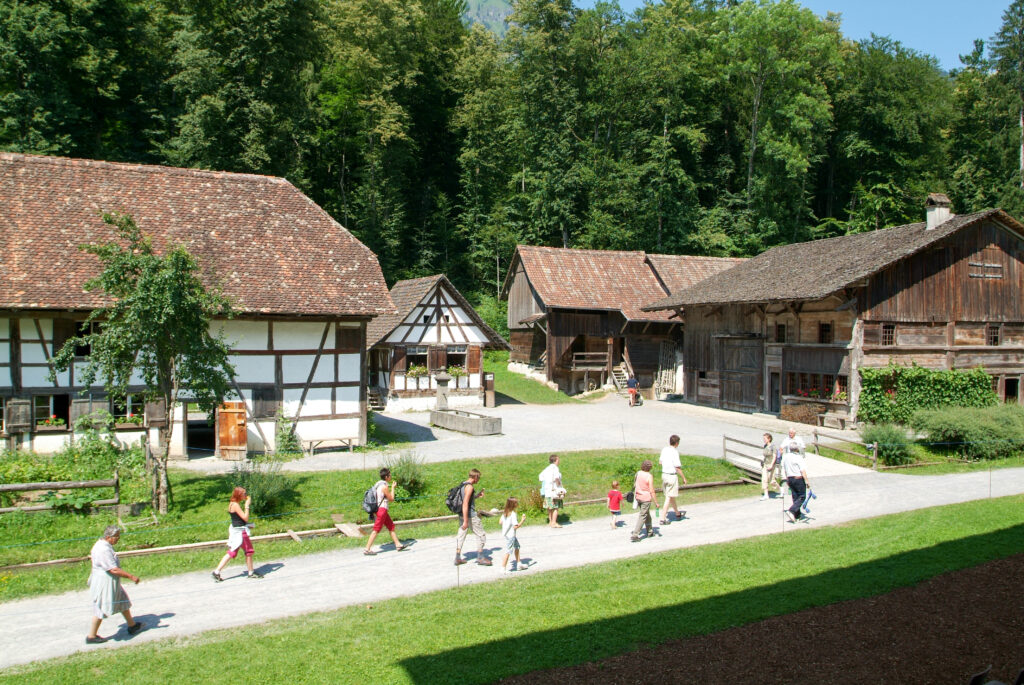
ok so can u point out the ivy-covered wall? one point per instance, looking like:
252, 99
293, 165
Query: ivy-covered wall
891, 394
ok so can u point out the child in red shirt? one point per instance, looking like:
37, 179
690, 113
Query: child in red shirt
615, 503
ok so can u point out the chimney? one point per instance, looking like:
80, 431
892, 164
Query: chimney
936, 209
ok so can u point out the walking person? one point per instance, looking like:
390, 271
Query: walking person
792, 442
769, 466
238, 534
643, 492
671, 472
796, 476
105, 591
632, 387
509, 525
385, 491
551, 489
470, 519
615, 503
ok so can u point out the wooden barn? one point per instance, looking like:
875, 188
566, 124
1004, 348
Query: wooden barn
793, 325
434, 329
575, 315
304, 289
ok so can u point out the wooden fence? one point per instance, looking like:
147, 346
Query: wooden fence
873, 447
744, 462
63, 485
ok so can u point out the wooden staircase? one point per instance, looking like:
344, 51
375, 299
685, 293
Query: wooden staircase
374, 402
541, 362
620, 375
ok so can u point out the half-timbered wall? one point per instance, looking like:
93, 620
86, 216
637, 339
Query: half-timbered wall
312, 370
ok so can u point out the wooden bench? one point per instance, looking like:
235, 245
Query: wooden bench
840, 418
309, 446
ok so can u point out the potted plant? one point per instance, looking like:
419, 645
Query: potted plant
458, 372
53, 422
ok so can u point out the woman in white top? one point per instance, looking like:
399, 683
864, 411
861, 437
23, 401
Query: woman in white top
105, 591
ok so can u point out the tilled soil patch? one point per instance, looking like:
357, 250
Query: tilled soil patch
940, 631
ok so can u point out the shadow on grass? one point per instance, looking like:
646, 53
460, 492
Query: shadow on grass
584, 642
501, 398
407, 430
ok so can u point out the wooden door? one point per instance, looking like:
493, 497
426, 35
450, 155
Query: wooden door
742, 373
232, 437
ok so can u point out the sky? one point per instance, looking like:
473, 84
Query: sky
943, 28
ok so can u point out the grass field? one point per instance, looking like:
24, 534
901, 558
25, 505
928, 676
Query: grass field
514, 388
199, 513
481, 633
923, 454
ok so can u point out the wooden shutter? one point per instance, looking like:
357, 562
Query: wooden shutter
156, 413
348, 339
437, 358
872, 334
265, 401
18, 417
85, 406
473, 359
398, 359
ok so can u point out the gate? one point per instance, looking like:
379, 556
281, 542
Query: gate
742, 373
232, 436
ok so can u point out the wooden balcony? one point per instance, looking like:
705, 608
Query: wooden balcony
589, 361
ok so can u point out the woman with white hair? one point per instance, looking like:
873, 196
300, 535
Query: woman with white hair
105, 591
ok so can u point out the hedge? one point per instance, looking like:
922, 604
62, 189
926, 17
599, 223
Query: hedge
893, 393
987, 433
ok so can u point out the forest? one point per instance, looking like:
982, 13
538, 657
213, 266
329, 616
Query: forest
709, 127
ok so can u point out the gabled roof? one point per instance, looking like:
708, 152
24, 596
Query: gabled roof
270, 248
607, 280
409, 293
678, 272
610, 280
816, 269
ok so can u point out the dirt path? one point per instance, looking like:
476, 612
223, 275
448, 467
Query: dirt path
941, 631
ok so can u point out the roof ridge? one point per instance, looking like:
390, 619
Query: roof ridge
137, 167
579, 249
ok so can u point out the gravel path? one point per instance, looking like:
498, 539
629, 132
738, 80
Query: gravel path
526, 429
51, 626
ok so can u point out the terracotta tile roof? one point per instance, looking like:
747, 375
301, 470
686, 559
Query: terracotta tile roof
816, 269
593, 279
409, 293
678, 272
268, 246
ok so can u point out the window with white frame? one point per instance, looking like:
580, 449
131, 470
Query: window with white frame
416, 355
131, 410
456, 355
51, 410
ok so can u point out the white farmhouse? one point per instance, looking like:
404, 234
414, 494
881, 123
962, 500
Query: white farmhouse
435, 329
303, 286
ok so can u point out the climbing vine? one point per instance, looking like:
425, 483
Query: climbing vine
891, 394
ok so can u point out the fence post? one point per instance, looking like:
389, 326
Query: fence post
817, 450
117, 488
723, 446
874, 456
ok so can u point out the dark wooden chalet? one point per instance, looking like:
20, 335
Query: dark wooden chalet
435, 329
794, 324
575, 314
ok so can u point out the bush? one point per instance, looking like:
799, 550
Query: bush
988, 433
408, 472
893, 445
285, 440
894, 393
264, 483
533, 503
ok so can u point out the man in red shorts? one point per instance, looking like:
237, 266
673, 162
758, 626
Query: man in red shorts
385, 495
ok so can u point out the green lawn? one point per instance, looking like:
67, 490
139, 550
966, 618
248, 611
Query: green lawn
199, 512
923, 453
484, 632
514, 388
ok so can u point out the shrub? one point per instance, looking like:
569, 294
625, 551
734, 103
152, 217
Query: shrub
893, 393
893, 445
264, 482
408, 472
533, 503
987, 433
285, 440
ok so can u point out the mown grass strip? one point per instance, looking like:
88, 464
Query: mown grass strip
485, 632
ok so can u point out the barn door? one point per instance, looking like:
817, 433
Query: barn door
742, 373
232, 437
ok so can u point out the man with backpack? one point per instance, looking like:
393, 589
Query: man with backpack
382, 496
463, 501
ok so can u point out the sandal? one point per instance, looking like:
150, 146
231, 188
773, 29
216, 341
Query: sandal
369, 553
401, 548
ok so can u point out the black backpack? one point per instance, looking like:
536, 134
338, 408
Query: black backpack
370, 504
455, 497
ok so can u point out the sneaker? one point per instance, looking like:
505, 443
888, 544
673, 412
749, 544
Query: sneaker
132, 630
790, 517
95, 640
484, 561
764, 497
217, 577
634, 538
459, 561
255, 575
663, 522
